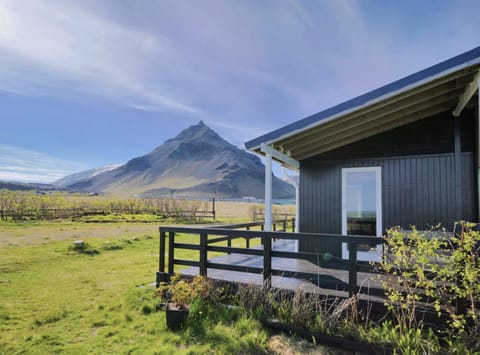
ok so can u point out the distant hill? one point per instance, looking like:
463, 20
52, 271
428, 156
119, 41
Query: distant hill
196, 163
25, 186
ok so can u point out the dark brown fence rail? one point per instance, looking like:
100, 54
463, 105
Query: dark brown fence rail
203, 240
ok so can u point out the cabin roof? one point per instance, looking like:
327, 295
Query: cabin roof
425, 93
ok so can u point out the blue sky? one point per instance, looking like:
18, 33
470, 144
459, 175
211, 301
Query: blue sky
96, 82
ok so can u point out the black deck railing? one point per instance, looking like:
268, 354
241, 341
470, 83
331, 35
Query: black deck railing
204, 238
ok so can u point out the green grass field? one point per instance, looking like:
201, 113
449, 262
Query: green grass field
55, 300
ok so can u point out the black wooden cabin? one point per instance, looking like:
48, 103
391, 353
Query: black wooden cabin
405, 154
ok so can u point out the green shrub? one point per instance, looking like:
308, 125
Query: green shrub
83, 248
446, 270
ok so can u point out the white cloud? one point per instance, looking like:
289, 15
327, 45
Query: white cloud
17, 164
47, 48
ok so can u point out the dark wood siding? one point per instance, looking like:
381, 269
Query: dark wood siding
418, 178
416, 190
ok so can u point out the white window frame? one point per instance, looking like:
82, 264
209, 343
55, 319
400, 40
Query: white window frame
374, 255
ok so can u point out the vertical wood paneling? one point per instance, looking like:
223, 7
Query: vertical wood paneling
416, 190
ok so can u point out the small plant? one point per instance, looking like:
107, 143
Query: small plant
183, 292
82, 247
258, 301
112, 246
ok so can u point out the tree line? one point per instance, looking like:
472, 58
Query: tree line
21, 205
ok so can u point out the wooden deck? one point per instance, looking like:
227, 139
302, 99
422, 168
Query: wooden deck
274, 261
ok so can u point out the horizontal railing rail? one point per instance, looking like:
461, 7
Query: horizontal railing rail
203, 243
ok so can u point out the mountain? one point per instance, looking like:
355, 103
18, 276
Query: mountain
196, 163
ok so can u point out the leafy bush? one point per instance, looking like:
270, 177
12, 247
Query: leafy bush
446, 269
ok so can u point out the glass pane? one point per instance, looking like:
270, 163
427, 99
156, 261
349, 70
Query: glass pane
361, 192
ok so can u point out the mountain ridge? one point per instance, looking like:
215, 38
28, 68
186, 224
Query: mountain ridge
196, 163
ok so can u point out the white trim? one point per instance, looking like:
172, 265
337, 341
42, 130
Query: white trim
268, 193
285, 159
364, 255
371, 102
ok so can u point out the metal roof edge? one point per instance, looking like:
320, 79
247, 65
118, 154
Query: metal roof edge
446, 67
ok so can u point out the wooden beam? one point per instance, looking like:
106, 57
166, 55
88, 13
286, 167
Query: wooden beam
471, 88
315, 150
391, 114
281, 157
445, 102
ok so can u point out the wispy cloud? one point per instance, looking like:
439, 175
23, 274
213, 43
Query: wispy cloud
49, 48
18, 164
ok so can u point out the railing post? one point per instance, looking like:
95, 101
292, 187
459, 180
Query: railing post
171, 250
247, 240
203, 254
267, 260
161, 276
293, 224
285, 224
229, 244
161, 264
352, 271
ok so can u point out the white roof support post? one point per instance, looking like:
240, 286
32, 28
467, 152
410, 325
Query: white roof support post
268, 192
286, 161
470, 90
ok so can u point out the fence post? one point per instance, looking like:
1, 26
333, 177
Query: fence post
247, 240
285, 224
293, 224
213, 208
352, 272
229, 244
171, 250
203, 254
267, 260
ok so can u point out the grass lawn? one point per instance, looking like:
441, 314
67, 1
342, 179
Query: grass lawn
54, 300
